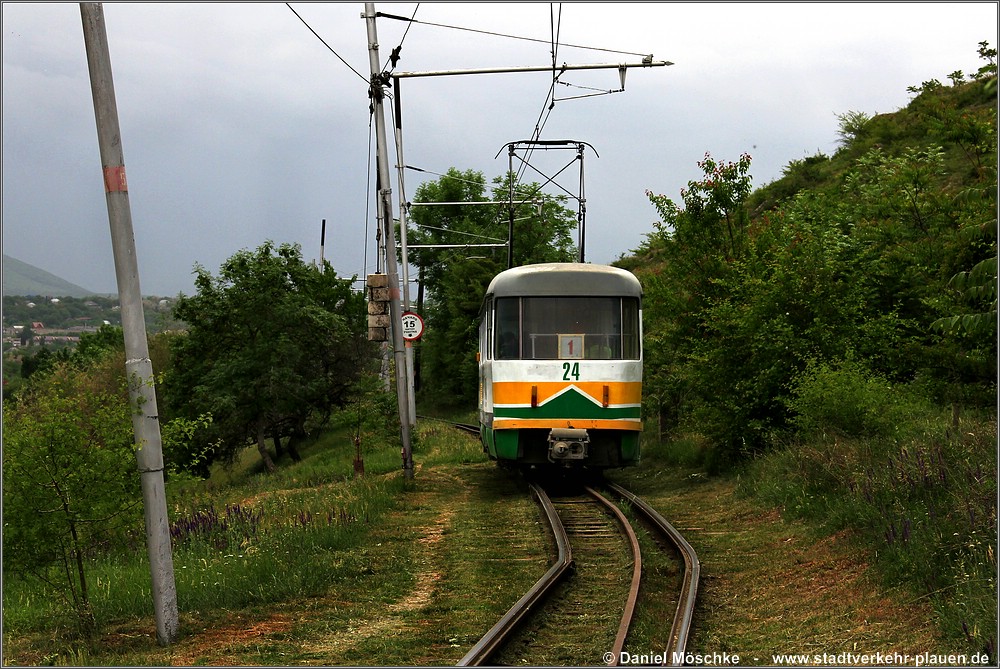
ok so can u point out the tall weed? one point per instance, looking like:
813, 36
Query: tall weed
919, 493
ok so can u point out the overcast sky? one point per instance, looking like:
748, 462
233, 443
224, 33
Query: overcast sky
238, 125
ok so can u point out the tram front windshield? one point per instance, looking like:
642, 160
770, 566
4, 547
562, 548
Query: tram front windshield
567, 328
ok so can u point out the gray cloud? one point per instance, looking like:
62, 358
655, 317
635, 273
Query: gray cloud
239, 126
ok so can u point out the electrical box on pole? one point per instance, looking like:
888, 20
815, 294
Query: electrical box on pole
379, 318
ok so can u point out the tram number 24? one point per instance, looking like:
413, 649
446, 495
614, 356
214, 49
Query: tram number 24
571, 371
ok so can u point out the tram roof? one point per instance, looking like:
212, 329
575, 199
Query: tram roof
562, 279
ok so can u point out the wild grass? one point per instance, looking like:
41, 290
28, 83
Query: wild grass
247, 542
883, 462
922, 502
238, 540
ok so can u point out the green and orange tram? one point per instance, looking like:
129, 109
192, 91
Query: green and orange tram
560, 367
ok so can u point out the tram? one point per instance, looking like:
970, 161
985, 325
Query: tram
560, 367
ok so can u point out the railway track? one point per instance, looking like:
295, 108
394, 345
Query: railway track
464, 427
605, 543
681, 627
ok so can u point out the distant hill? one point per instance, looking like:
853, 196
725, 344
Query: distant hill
20, 278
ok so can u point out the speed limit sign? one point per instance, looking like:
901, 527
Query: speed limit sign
413, 326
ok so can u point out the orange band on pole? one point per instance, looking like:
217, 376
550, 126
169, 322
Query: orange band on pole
114, 179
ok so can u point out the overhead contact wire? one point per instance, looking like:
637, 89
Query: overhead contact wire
517, 37
394, 55
361, 76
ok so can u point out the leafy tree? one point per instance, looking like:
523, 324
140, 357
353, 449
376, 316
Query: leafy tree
71, 489
454, 281
713, 221
742, 293
978, 286
94, 345
543, 224
987, 72
967, 351
450, 224
41, 361
70, 484
448, 354
693, 250
271, 344
27, 335
738, 305
791, 297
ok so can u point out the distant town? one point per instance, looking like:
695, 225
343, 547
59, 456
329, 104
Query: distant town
59, 321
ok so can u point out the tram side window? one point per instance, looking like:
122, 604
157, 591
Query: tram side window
631, 348
508, 328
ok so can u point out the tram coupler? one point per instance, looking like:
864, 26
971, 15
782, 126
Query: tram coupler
568, 444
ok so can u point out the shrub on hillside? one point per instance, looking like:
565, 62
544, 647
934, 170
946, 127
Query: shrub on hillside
846, 398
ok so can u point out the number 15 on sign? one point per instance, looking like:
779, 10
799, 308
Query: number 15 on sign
413, 326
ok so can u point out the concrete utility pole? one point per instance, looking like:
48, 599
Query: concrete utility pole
138, 368
410, 390
377, 93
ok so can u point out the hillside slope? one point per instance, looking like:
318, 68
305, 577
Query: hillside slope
832, 337
20, 278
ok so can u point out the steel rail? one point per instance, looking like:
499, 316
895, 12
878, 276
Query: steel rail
487, 645
633, 593
465, 427
677, 643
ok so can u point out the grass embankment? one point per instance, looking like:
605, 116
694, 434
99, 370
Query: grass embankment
317, 566
314, 565
909, 510
771, 585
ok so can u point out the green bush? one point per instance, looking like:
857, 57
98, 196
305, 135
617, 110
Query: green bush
846, 398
